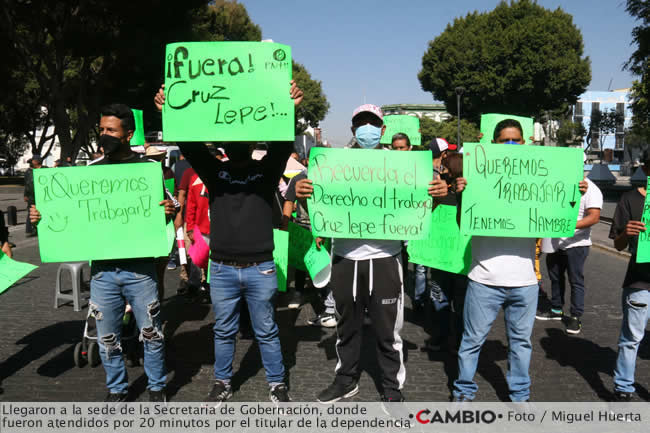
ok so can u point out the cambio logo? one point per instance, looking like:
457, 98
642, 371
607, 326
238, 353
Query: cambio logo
459, 417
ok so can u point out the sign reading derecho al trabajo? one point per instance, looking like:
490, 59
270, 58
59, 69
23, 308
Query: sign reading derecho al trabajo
370, 194
228, 91
100, 212
520, 190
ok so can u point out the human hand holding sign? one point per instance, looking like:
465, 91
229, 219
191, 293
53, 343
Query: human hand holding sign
304, 189
461, 183
438, 187
294, 91
583, 186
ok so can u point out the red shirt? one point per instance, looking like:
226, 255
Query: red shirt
197, 206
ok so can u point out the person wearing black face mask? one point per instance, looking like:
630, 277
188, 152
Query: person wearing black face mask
241, 194
119, 281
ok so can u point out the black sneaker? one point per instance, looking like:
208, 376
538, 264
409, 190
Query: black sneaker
396, 411
295, 300
325, 320
435, 345
622, 397
551, 314
338, 390
116, 397
279, 394
220, 392
462, 398
573, 325
158, 396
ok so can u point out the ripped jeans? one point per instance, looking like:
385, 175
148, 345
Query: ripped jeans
111, 287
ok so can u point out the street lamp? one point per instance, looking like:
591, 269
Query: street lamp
459, 93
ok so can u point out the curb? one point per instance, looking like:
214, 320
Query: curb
611, 250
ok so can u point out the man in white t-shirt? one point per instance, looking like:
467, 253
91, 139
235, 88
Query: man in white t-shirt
367, 275
502, 274
569, 255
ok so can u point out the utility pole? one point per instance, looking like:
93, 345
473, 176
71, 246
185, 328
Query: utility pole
459, 92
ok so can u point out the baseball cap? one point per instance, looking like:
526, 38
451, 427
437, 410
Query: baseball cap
438, 145
369, 108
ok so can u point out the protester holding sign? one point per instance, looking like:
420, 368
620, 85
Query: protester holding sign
118, 281
569, 255
241, 195
502, 274
627, 229
367, 274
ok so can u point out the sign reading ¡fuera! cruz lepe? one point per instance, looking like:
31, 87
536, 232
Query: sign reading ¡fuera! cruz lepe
228, 91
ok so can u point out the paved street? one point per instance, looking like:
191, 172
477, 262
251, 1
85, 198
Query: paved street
37, 341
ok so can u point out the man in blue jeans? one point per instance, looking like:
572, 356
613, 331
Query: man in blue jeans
241, 193
626, 229
502, 274
117, 282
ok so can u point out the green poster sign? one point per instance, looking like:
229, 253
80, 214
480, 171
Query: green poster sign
281, 257
228, 91
445, 248
316, 260
170, 184
409, 125
521, 191
489, 122
101, 212
12, 271
643, 247
370, 194
300, 239
138, 134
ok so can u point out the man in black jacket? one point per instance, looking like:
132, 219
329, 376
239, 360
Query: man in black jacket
241, 248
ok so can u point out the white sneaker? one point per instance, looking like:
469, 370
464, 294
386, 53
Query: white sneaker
324, 319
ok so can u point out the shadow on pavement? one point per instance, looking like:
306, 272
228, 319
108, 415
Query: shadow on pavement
41, 342
586, 357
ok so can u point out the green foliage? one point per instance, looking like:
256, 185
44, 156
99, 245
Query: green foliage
639, 64
603, 123
520, 57
96, 52
314, 106
447, 129
569, 132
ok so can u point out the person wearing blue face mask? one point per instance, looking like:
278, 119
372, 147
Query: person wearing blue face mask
367, 275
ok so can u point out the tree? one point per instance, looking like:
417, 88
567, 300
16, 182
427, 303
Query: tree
603, 123
447, 129
569, 132
639, 64
99, 51
520, 58
314, 106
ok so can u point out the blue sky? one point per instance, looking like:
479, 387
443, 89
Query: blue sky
372, 50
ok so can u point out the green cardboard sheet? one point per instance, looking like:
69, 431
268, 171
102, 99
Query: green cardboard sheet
300, 240
281, 257
489, 122
170, 185
409, 125
445, 248
228, 91
12, 271
316, 260
370, 194
643, 247
138, 134
101, 212
521, 191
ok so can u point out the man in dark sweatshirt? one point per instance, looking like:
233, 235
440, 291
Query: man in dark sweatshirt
241, 248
